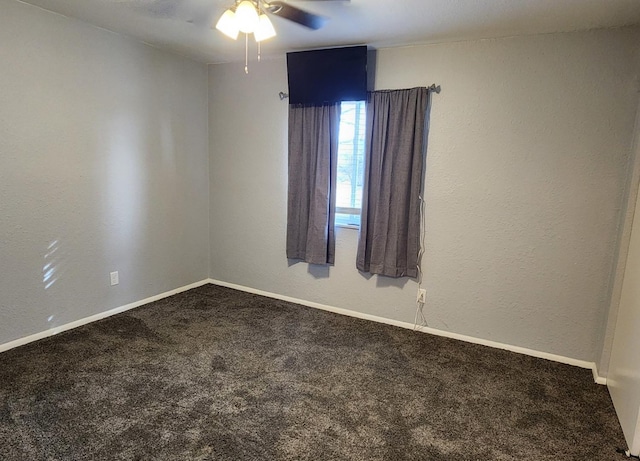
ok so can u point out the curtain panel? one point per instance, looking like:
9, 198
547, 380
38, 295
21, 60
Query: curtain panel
389, 239
313, 154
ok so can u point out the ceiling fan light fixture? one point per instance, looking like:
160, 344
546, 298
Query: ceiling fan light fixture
247, 17
228, 24
265, 29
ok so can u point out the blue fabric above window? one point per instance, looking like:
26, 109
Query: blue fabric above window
327, 76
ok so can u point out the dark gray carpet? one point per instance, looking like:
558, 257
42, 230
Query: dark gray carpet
216, 374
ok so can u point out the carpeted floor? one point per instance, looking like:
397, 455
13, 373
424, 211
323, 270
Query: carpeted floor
217, 374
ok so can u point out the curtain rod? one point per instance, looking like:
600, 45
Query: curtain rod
433, 87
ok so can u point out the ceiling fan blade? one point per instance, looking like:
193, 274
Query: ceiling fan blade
304, 18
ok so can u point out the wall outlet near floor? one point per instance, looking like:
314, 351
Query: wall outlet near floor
114, 278
422, 296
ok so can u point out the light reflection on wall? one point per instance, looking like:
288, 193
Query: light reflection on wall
51, 267
126, 184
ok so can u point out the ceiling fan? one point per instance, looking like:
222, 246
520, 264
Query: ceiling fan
202, 12
284, 10
246, 16
250, 17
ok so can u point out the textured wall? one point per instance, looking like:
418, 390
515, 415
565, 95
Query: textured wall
103, 167
529, 144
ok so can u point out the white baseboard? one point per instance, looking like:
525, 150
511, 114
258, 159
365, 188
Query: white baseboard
433, 331
469, 339
93, 318
596, 376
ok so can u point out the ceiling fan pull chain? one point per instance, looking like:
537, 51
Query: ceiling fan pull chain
246, 53
260, 13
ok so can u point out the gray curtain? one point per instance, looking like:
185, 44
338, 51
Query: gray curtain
396, 140
313, 154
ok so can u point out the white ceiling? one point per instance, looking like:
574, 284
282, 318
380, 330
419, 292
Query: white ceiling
185, 26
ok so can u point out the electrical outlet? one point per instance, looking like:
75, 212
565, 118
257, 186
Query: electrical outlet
114, 278
422, 295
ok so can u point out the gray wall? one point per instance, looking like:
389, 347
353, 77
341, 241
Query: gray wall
103, 167
526, 168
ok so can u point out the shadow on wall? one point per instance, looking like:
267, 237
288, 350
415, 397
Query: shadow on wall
386, 282
316, 270
372, 59
319, 272
323, 272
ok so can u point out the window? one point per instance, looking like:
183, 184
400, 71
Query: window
350, 164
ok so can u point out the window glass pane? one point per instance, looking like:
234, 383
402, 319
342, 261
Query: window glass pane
350, 162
